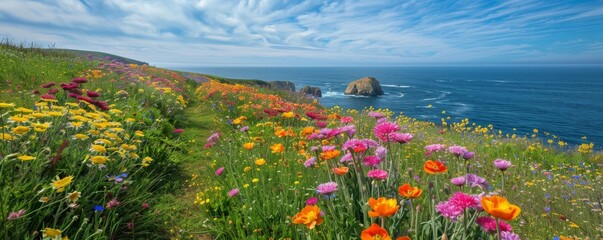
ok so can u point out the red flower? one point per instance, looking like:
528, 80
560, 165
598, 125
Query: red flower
433, 167
374, 232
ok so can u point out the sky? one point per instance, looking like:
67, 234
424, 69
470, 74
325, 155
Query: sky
187, 33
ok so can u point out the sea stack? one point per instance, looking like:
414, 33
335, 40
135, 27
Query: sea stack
312, 91
368, 86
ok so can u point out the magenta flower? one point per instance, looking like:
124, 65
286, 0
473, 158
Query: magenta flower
377, 174
213, 139
434, 148
328, 148
488, 224
92, 94
79, 80
502, 164
53, 91
358, 146
459, 181
400, 137
178, 130
327, 189
233, 192
382, 130
457, 150
219, 171
448, 210
47, 96
145, 205
372, 161
321, 124
312, 201
349, 129
244, 129
15, 215
48, 85
463, 201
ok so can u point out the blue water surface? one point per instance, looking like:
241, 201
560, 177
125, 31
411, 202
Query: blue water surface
566, 101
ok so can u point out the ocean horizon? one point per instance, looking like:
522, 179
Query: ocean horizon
565, 101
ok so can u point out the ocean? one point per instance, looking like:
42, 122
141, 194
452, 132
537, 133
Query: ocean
566, 101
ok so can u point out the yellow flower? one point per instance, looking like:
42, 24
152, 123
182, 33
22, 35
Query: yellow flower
51, 233
260, 162
18, 119
288, 114
23, 110
75, 124
44, 199
60, 184
74, 196
146, 161
128, 147
80, 136
40, 127
26, 158
5, 136
247, 169
246, 185
20, 130
134, 155
255, 180
139, 134
98, 159
6, 105
98, 148
239, 120
277, 148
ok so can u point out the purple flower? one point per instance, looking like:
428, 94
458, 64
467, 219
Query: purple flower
459, 181
327, 189
476, 181
219, 171
312, 201
505, 235
468, 155
371, 161
502, 164
15, 215
433, 148
346, 158
244, 129
457, 150
377, 174
328, 148
310, 162
233, 192
381, 152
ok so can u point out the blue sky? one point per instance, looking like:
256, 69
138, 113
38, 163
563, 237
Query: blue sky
316, 33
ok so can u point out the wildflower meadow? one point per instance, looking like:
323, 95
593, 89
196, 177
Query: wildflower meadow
93, 148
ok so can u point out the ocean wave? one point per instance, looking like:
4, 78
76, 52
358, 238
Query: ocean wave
394, 86
442, 95
333, 94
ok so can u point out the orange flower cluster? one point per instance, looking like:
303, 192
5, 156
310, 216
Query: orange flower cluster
433, 167
383, 207
309, 216
407, 191
499, 207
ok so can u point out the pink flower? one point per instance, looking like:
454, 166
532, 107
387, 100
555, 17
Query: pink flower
310, 162
312, 201
145, 205
327, 189
381, 152
459, 181
371, 161
15, 215
488, 224
377, 174
321, 124
233, 192
434, 148
382, 130
48, 85
92, 94
376, 115
219, 171
448, 210
346, 158
502, 164
178, 130
457, 150
345, 120
113, 203
79, 80
400, 137
244, 129
328, 148
508, 235
47, 96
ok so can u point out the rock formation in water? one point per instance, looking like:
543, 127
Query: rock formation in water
368, 86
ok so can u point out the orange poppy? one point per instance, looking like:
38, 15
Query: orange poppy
329, 154
248, 145
277, 148
309, 216
433, 167
374, 232
409, 192
341, 170
499, 207
403, 238
383, 207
